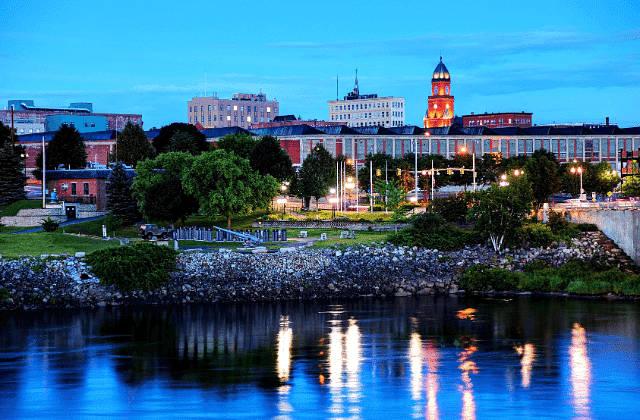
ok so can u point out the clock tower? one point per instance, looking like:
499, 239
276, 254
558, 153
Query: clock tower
440, 111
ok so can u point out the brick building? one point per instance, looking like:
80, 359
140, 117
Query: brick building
283, 120
498, 119
242, 110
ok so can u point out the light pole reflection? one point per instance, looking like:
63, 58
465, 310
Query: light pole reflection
345, 356
580, 372
528, 356
467, 367
335, 369
433, 362
283, 366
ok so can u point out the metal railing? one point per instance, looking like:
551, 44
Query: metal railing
211, 235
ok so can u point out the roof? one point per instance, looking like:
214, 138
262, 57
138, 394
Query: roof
37, 137
373, 130
338, 129
510, 131
441, 72
214, 133
84, 174
632, 130
287, 130
542, 130
611, 130
408, 130
153, 133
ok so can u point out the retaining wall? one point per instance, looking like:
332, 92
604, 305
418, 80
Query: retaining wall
622, 226
325, 224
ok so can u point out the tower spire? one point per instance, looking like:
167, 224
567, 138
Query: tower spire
356, 89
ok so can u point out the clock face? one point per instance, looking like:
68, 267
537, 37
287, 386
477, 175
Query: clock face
435, 90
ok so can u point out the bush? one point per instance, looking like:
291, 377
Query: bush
587, 227
142, 266
480, 277
557, 221
453, 209
50, 225
536, 233
430, 230
112, 222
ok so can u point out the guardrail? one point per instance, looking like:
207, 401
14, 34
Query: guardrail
210, 235
599, 205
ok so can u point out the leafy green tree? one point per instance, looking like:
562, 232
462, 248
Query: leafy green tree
631, 186
606, 178
316, 176
158, 187
498, 212
162, 141
224, 184
394, 194
268, 157
120, 199
12, 177
167, 200
241, 144
132, 146
65, 148
183, 142
542, 173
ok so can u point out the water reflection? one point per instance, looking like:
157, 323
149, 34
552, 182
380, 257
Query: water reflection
433, 358
580, 373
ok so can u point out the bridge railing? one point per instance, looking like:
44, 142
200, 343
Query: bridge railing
599, 205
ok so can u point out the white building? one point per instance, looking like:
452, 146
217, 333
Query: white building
367, 110
242, 110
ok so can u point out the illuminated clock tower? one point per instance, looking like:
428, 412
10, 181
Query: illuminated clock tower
440, 111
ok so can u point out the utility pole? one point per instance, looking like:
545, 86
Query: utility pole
371, 186
44, 174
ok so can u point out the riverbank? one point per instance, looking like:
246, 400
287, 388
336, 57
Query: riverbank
376, 270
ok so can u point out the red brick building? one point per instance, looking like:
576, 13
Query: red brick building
499, 119
440, 110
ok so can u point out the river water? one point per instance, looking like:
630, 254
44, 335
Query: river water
428, 357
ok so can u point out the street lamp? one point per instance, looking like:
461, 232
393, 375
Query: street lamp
578, 170
463, 149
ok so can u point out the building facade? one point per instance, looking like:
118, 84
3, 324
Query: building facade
243, 110
497, 120
357, 110
28, 118
440, 103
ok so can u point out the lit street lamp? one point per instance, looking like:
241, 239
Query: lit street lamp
578, 170
463, 149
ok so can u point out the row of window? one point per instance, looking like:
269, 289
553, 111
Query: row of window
235, 108
353, 107
375, 123
74, 190
500, 121
366, 115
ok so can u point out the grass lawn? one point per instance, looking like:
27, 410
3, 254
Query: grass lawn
13, 209
39, 243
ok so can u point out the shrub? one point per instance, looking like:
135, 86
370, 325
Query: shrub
587, 227
536, 233
479, 277
50, 225
142, 266
453, 209
557, 221
430, 230
112, 222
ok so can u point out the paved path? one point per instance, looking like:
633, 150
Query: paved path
68, 222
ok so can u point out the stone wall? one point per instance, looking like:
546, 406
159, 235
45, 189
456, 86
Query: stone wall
34, 217
325, 224
623, 226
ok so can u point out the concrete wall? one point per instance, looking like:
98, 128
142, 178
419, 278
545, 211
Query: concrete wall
622, 226
34, 217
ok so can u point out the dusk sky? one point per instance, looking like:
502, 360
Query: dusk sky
564, 61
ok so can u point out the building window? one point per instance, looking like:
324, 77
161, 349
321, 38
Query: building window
86, 188
202, 108
189, 109
73, 188
209, 108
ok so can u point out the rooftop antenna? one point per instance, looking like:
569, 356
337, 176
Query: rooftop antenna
205, 84
337, 87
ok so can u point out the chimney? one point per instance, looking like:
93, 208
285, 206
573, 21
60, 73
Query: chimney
607, 120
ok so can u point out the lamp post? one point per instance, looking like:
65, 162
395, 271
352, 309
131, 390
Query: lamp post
578, 170
463, 149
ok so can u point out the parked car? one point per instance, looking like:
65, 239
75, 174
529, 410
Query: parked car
149, 230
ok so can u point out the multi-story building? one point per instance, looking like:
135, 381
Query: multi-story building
28, 118
498, 119
358, 110
284, 120
242, 110
440, 109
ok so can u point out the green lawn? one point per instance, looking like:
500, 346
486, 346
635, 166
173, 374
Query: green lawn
13, 209
39, 243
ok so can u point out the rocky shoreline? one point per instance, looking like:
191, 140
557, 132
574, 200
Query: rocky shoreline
375, 270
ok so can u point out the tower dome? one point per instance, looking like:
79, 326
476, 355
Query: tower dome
441, 72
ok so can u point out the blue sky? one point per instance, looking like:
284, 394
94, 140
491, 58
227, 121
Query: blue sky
569, 61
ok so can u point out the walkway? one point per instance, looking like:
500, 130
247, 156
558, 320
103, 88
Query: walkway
67, 223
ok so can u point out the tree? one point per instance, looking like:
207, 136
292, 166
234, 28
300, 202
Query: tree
132, 146
5, 136
224, 184
393, 193
12, 177
241, 144
631, 186
316, 175
120, 199
498, 211
158, 187
542, 173
162, 141
606, 178
65, 148
183, 142
268, 157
